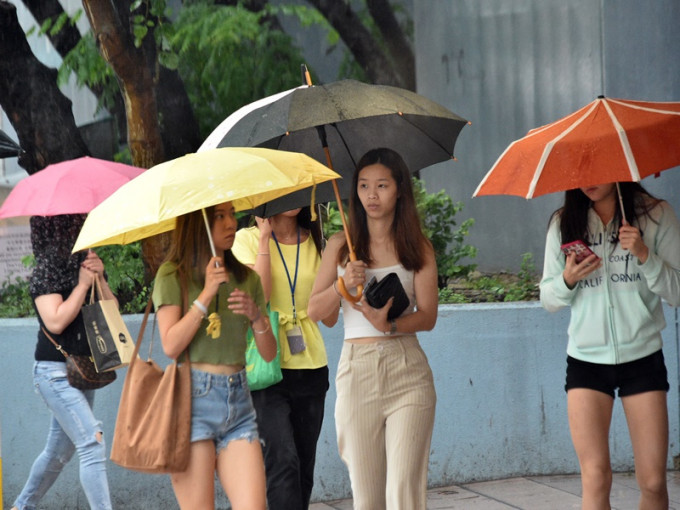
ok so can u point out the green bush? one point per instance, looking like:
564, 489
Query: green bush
124, 269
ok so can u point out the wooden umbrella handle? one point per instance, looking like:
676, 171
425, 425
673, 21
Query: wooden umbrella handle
342, 288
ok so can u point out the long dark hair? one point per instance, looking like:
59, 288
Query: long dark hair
304, 219
407, 233
190, 247
573, 215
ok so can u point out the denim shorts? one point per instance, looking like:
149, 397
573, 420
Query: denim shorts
221, 408
638, 376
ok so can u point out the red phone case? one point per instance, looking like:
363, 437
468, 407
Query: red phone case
579, 247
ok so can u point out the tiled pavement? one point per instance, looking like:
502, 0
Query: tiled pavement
527, 493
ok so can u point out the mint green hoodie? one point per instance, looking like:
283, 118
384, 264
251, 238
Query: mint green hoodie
616, 312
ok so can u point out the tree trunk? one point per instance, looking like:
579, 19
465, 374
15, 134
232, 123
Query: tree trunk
360, 42
40, 114
129, 65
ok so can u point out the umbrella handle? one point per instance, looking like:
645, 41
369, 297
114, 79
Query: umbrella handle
342, 289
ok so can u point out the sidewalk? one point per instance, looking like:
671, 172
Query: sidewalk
528, 493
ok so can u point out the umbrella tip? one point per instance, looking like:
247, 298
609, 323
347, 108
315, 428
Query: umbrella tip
601, 96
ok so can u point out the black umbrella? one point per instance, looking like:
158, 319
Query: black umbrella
8, 148
338, 123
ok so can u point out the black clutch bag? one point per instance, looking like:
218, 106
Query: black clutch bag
377, 294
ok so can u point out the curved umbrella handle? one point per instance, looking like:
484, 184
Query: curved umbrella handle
345, 293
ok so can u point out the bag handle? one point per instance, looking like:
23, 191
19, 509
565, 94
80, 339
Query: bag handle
98, 285
142, 328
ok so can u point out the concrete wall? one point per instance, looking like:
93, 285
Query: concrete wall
501, 408
512, 65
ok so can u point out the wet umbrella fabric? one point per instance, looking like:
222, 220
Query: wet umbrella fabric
608, 140
150, 204
349, 118
74, 186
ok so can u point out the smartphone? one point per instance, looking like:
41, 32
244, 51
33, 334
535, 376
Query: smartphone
579, 247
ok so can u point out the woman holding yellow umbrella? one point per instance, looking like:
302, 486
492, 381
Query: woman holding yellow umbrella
224, 438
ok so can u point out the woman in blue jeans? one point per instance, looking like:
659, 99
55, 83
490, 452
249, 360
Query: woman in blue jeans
59, 286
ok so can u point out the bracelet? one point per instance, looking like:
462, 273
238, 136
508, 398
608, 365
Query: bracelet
264, 330
263, 254
201, 307
200, 313
335, 288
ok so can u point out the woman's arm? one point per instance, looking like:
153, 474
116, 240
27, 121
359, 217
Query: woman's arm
427, 299
177, 330
263, 262
324, 302
57, 313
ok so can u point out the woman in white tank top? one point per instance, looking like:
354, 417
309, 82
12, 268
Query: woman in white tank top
385, 403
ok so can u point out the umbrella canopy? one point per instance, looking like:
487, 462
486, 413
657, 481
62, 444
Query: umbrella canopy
150, 204
348, 118
608, 140
8, 147
74, 186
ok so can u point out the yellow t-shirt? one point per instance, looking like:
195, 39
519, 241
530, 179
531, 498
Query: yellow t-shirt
245, 249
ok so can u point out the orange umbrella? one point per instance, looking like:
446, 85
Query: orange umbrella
608, 140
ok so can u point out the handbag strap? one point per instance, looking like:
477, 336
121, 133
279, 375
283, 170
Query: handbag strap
147, 310
59, 347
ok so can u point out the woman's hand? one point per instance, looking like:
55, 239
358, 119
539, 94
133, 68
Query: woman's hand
376, 316
93, 263
355, 274
576, 271
215, 275
265, 227
241, 303
631, 240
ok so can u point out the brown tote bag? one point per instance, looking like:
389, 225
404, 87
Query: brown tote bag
153, 428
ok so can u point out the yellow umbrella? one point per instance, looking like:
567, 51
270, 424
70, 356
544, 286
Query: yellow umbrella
150, 203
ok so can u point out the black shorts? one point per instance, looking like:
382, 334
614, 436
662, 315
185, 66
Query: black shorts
644, 374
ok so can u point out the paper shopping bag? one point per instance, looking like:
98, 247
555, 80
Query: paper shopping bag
109, 339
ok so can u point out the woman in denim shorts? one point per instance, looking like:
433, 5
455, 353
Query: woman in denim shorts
224, 437
615, 329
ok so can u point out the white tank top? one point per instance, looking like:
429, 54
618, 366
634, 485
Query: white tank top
356, 325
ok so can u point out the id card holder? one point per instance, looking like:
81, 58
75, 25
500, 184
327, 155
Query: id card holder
296, 343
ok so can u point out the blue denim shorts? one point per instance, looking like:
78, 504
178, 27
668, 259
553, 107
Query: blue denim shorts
221, 408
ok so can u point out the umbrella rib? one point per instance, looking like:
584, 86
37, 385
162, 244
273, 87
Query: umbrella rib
644, 108
625, 144
425, 133
548, 148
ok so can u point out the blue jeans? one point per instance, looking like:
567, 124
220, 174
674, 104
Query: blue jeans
289, 418
73, 428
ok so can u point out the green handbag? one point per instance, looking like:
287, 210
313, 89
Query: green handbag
260, 373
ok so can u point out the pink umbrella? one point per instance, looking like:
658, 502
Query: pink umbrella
75, 186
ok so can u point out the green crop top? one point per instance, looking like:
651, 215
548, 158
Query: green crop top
230, 347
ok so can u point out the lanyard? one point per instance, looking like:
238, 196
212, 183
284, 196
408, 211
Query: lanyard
292, 284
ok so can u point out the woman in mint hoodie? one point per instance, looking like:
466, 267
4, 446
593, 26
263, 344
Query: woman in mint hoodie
615, 328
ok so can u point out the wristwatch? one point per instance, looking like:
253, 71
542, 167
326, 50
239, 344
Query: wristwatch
393, 328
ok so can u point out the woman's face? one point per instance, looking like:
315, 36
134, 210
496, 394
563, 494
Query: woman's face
377, 191
600, 192
224, 226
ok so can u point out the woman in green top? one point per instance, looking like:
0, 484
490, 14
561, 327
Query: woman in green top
224, 436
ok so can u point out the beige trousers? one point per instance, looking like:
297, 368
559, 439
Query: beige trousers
384, 414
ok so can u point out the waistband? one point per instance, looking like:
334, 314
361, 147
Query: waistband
222, 380
400, 343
